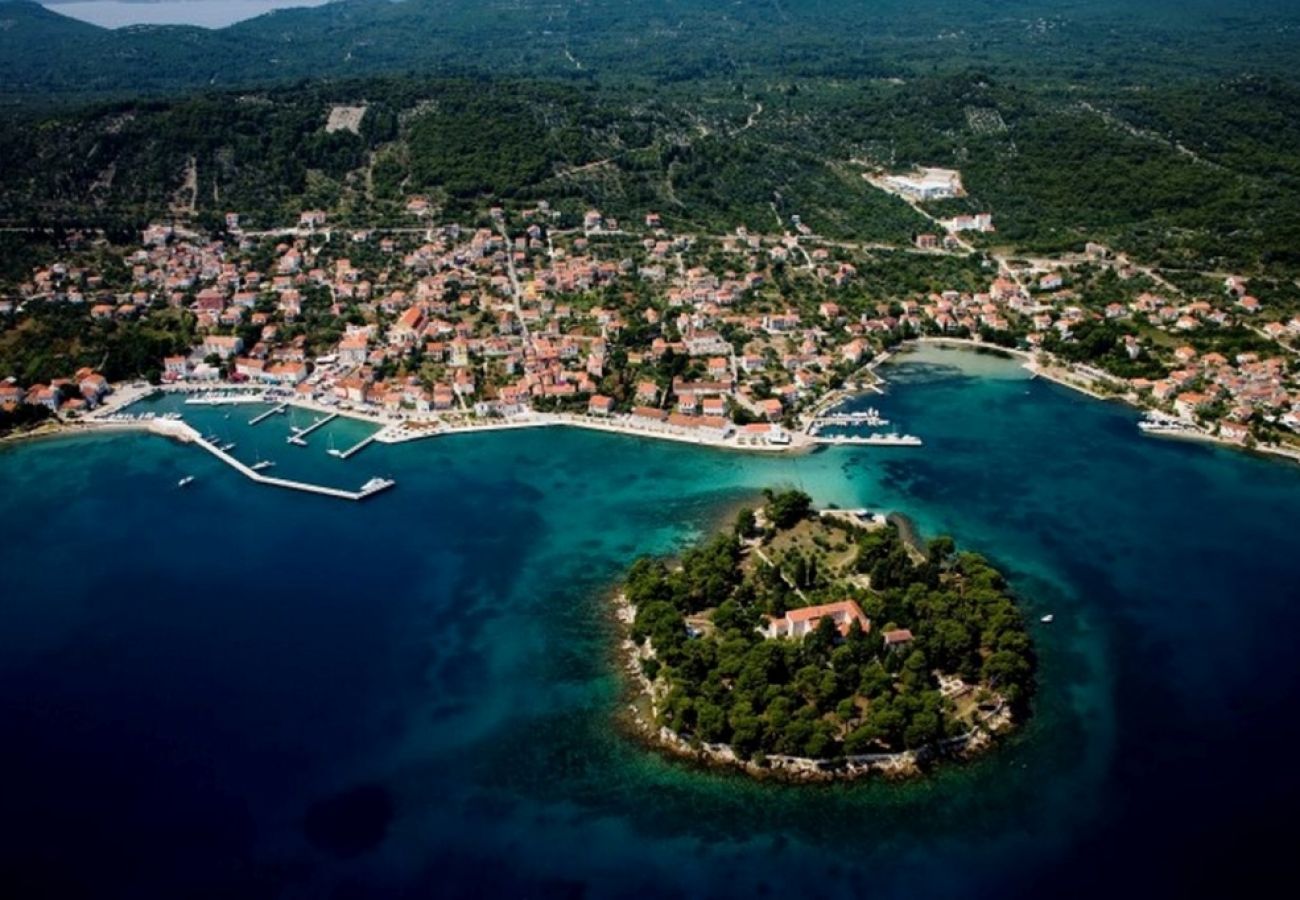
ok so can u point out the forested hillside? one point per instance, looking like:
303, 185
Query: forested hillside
1205, 177
44, 55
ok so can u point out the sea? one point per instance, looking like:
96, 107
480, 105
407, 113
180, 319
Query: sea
233, 690
202, 13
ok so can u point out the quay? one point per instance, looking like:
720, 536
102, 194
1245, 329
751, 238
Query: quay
299, 437
188, 435
266, 415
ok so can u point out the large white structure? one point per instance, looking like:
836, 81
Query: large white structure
927, 184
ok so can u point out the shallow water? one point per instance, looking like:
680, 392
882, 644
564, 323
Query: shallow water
258, 692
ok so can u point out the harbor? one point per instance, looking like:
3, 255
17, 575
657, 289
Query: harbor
187, 434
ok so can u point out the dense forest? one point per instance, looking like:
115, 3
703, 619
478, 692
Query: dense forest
1199, 178
826, 695
44, 55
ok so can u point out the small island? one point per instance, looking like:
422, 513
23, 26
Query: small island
821, 645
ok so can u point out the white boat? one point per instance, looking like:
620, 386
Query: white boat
226, 448
377, 484
188, 479
262, 464
1047, 619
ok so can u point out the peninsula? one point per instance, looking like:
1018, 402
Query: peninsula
817, 646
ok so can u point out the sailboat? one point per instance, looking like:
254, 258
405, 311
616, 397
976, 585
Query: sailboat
334, 451
261, 464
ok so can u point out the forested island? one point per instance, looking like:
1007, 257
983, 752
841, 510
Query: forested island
817, 645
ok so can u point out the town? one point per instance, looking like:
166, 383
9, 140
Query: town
738, 339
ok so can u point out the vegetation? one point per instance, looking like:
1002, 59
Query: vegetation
1165, 136
828, 694
53, 340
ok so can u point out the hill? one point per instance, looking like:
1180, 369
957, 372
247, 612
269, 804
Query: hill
1204, 176
43, 54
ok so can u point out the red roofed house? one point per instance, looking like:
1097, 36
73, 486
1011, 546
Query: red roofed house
799, 622
601, 405
898, 637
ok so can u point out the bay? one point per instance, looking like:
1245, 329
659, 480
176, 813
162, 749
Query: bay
232, 690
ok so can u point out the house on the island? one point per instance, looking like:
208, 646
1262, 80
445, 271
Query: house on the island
897, 638
797, 623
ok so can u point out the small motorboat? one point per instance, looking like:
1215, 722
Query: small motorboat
188, 479
1048, 619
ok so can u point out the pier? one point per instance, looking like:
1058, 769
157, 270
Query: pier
186, 434
299, 437
871, 440
224, 399
256, 420
359, 446
869, 418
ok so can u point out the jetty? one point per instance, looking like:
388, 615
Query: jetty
867, 417
279, 410
872, 440
186, 434
358, 446
299, 436
233, 398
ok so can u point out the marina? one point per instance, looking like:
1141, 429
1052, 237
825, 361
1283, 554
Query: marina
186, 434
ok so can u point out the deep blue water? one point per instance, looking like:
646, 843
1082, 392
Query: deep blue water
230, 690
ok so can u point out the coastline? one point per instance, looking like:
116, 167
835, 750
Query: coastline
1055, 373
394, 430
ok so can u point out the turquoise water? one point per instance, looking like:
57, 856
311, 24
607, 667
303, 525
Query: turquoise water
235, 690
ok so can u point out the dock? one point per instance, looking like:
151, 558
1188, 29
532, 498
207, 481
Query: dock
187, 434
224, 399
359, 446
257, 420
870, 417
872, 440
299, 437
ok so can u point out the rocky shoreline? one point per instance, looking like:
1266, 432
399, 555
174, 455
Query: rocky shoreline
642, 704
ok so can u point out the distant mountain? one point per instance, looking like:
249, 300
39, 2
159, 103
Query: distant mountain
44, 54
